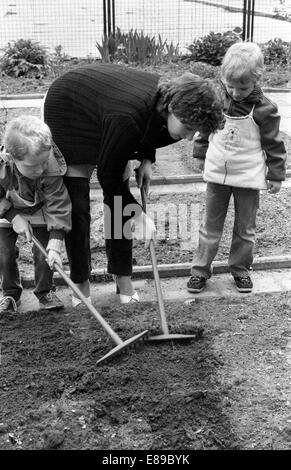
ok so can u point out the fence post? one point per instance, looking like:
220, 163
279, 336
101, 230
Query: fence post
248, 20
108, 17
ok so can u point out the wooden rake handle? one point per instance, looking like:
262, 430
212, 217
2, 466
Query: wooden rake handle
163, 318
77, 291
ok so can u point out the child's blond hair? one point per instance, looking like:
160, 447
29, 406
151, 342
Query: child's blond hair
243, 61
26, 135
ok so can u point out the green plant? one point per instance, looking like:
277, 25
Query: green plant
57, 60
109, 46
282, 10
212, 47
24, 57
135, 48
59, 55
172, 52
204, 70
139, 48
277, 52
276, 77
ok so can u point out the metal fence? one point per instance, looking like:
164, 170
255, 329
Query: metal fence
76, 25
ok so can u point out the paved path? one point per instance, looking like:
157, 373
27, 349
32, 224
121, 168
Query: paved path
20, 103
283, 101
174, 289
162, 189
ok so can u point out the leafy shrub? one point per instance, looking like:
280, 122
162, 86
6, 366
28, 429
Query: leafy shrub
277, 51
205, 70
57, 61
276, 78
24, 57
136, 47
282, 9
212, 47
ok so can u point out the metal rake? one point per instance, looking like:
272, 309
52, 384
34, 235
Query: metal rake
120, 344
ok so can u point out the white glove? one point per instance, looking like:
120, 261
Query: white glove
143, 228
21, 226
54, 257
54, 249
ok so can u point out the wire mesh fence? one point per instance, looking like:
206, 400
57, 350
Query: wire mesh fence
77, 25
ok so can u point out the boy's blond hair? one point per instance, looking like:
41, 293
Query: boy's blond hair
26, 135
243, 61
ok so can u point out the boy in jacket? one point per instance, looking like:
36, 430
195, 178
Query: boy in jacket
32, 193
247, 156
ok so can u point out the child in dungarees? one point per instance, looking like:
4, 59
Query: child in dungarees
247, 156
32, 193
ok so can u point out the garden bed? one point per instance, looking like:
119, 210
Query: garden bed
273, 236
227, 390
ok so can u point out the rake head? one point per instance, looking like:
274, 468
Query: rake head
122, 346
172, 337
186, 334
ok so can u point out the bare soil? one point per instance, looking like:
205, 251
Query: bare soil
273, 236
229, 389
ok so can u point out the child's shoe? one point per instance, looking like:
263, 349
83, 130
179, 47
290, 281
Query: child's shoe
50, 301
9, 305
196, 284
243, 283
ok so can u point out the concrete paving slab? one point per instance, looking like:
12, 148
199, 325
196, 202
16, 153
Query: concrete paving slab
174, 289
285, 283
283, 101
20, 103
163, 189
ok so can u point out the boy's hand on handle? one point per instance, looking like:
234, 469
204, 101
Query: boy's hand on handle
143, 175
54, 257
21, 226
143, 228
274, 186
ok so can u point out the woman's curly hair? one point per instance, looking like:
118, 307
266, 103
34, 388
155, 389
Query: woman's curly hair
197, 102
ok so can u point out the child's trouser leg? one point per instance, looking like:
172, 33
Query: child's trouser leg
78, 239
246, 204
118, 247
43, 275
210, 232
9, 273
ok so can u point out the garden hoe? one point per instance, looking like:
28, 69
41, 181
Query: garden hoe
165, 336
120, 345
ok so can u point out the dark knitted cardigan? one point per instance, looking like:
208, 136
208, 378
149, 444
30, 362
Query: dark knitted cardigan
105, 114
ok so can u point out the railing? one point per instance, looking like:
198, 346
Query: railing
77, 25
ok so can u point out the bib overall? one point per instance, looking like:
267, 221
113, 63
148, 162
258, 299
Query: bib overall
235, 165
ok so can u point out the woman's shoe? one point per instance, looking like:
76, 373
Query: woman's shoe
125, 299
76, 301
129, 299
